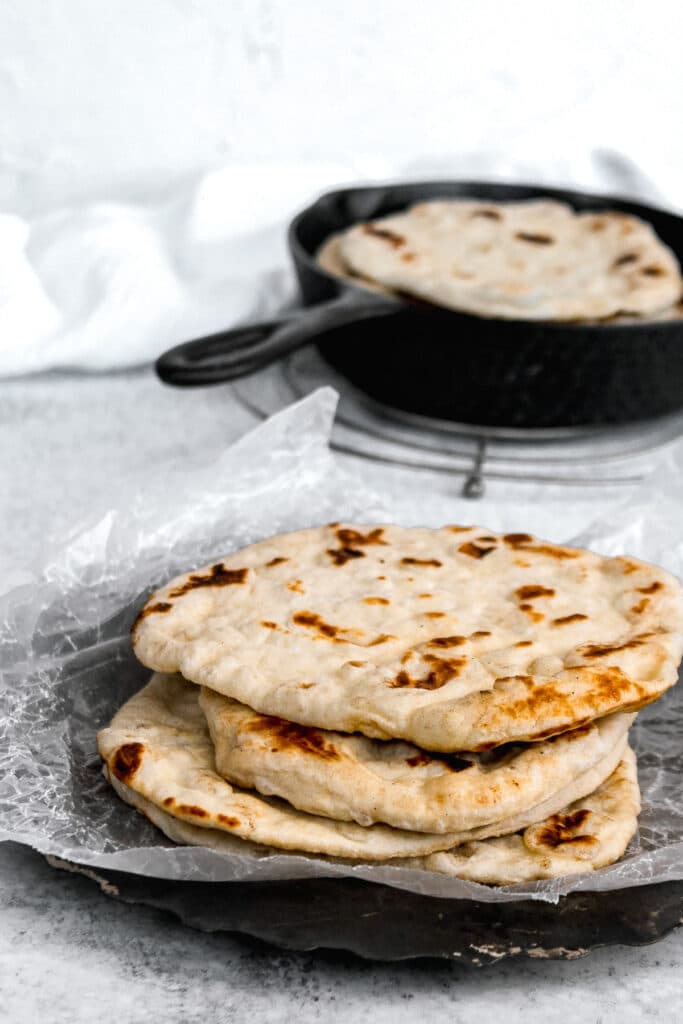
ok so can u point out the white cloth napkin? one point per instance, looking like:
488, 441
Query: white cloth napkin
106, 286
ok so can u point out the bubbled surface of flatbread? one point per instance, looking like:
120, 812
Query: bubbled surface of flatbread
587, 835
453, 639
158, 747
536, 260
354, 778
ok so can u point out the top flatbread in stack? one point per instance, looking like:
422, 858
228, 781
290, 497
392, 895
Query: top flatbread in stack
453, 639
535, 260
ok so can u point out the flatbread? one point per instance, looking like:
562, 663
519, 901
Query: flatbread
582, 837
330, 259
535, 260
589, 834
453, 639
354, 778
158, 747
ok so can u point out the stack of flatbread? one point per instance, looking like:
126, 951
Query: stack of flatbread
531, 260
453, 699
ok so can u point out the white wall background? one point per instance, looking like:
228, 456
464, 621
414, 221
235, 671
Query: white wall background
129, 97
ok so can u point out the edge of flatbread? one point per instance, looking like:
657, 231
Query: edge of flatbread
589, 834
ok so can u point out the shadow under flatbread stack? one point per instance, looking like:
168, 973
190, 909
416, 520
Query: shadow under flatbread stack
453, 700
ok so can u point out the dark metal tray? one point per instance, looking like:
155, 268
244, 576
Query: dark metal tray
380, 923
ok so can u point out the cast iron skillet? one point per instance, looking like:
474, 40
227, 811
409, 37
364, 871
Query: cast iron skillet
455, 366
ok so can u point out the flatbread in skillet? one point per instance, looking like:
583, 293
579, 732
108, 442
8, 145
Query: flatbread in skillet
535, 260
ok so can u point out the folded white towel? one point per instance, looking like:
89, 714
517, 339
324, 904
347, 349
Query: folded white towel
106, 286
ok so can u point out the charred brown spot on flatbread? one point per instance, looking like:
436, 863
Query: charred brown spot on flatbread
488, 214
534, 238
376, 600
604, 650
276, 561
476, 550
531, 591
641, 606
284, 736
609, 689
351, 540
523, 542
561, 828
218, 576
268, 624
627, 259
127, 760
566, 620
228, 820
383, 638
426, 562
311, 620
627, 566
348, 536
435, 615
441, 672
192, 810
159, 608
524, 643
653, 270
296, 586
340, 556
458, 529
651, 589
394, 239
447, 641
481, 632
357, 664
408, 257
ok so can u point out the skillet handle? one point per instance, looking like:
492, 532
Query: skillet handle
236, 353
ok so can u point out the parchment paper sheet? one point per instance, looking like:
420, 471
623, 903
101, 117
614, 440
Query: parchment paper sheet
66, 663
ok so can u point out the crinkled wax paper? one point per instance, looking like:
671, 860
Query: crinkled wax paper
66, 663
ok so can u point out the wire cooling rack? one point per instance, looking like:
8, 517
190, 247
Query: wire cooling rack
575, 456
